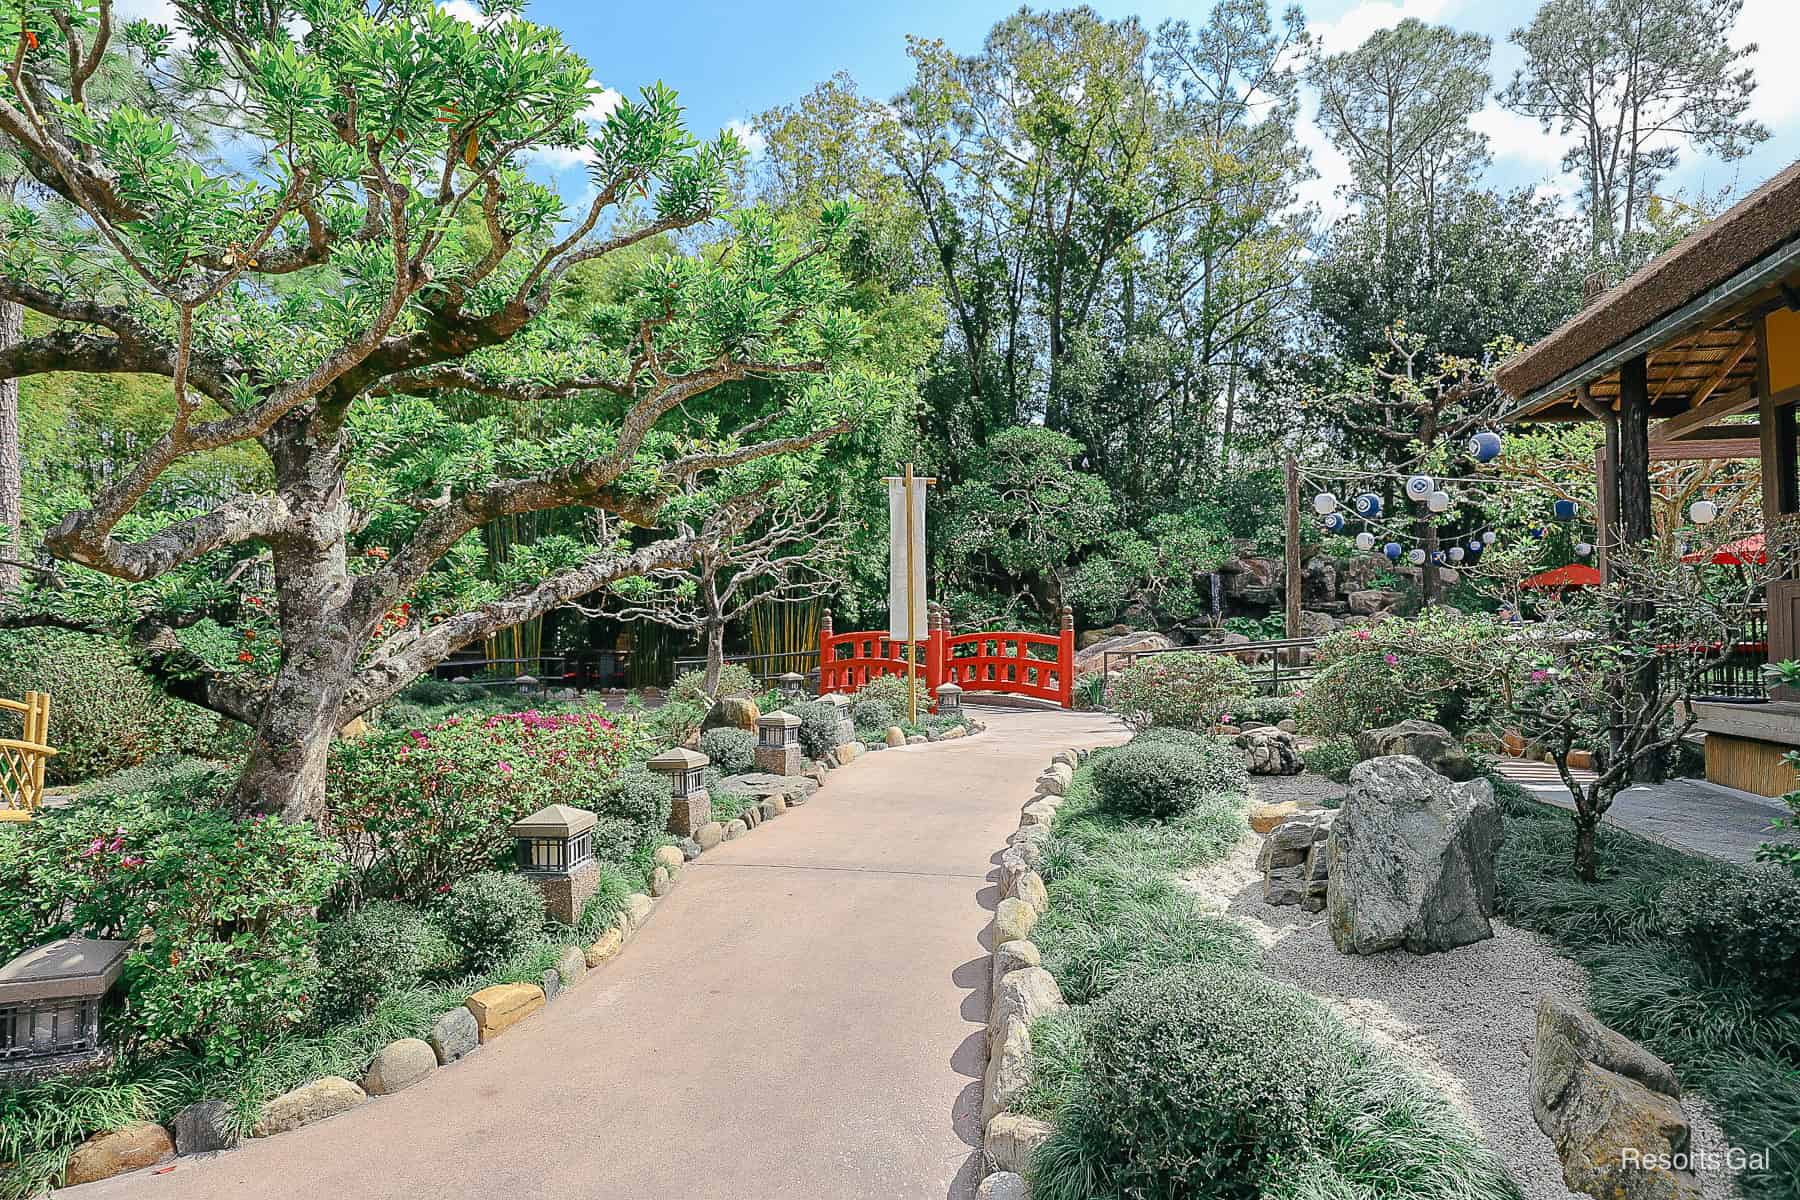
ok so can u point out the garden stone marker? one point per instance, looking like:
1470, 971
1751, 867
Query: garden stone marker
1597, 1095
1294, 860
1268, 751
1431, 744
1411, 860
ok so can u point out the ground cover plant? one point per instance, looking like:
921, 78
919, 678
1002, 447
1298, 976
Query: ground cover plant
1180, 1070
1692, 958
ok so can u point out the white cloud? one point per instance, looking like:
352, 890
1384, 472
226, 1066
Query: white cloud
1519, 139
1774, 25
601, 104
753, 141
558, 159
1354, 27
464, 10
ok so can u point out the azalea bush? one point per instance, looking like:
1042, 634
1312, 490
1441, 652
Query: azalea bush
1186, 691
1399, 669
419, 809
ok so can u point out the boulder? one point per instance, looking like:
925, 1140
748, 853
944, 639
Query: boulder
571, 965
1412, 860
848, 752
1269, 751
732, 712
760, 786
206, 1128
1030, 889
1013, 919
1295, 860
399, 1065
1431, 744
308, 1103
453, 1035
1012, 1141
1089, 660
669, 856
1037, 813
1611, 1108
895, 736
661, 882
605, 948
1015, 955
1026, 994
637, 909
709, 835
1003, 1185
1265, 817
1369, 601
497, 1009
119, 1150
551, 982
735, 830
1008, 1069
1055, 780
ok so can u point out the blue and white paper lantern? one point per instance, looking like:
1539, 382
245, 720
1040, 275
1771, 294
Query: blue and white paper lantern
1419, 488
1416, 556
1563, 510
1368, 505
1393, 550
1438, 501
1334, 522
1455, 553
1324, 503
1583, 549
1488, 538
1365, 540
1703, 512
1484, 447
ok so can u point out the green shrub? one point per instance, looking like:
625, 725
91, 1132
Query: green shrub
370, 954
105, 714
1397, 670
1188, 691
818, 727
690, 686
638, 796
1740, 923
892, 690
873, 714
491, 916
613, 884
1154, 781
1090, 692
180, 783
1332, 759
1199, 1081
732, 751
418, 809
1268, 710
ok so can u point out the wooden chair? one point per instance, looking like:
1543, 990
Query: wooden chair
22, 759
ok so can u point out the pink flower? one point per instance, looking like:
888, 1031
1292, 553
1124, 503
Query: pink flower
94, 847
1539, 676
1362, 635
1391, 659
506, 768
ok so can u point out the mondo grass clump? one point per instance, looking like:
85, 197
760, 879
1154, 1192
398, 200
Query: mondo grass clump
1689, 957
1180, 1070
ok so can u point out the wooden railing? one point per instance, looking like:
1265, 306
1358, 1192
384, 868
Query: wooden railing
1039, 665
22, 759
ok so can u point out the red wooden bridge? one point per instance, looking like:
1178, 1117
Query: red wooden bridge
1039, 665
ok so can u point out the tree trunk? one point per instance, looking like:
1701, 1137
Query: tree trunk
12, 476
715, 654
1585, 823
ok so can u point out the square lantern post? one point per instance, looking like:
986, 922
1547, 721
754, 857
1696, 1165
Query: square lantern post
778, 743
50, 1007
949, 700
556, 852
690, 806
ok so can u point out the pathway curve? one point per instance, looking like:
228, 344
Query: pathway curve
801, 1017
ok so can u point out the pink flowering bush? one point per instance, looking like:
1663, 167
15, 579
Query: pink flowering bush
418, 809
1182, 691
1397, 670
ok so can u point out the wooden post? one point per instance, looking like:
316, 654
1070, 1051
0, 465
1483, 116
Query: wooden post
1065, 658
1293, 552
1635, 521
912, 645
825, 653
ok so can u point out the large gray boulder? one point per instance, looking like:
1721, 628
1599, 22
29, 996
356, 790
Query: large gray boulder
1411, 860
1611, 1108
760, 785
1269, 751
1431, 744
1090, 659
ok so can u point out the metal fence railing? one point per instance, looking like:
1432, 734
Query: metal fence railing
582, 670
1275, 667
764, 668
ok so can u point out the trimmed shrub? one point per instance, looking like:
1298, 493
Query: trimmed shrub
1743, 923
370, 954
1332, 759
640, 797
1199, 1081
179, 783
732, 751
1155, 780
105, 714
1188, 691
873, 714
690, 686
1268, 710
491, 916
818, 727
891, 690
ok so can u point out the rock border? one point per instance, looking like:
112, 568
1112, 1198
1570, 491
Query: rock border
1021, 990
207, 1127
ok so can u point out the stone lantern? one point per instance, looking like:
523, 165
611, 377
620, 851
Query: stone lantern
778, 743
792, 685
691, 807
556, 852
949, 700
50, 1006
846, 727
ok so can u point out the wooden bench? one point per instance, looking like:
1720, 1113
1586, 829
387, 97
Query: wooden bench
22, 759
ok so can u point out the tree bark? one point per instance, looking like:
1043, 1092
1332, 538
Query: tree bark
1635, 520
12, 475
715, 653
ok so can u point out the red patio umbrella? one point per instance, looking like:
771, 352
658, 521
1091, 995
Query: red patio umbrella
1573, 575
1733, 554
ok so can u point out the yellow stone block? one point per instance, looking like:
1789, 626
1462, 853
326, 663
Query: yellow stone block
497, 1009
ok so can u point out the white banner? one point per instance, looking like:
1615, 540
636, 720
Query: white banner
906, 571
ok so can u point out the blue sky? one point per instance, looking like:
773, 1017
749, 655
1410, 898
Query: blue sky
732, 60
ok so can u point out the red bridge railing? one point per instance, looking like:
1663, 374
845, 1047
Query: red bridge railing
1040, 665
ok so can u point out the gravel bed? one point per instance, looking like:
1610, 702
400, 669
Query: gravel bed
1307, 790
1465, 1020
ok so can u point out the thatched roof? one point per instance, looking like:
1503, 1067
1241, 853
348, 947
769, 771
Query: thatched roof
1756, 230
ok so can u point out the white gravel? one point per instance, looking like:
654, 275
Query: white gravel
1464, 1020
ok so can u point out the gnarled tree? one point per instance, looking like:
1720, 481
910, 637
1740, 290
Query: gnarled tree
370, 241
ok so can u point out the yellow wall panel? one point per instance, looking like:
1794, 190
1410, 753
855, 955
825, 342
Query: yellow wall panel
1784, 350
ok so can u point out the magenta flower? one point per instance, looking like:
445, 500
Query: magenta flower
1391, 659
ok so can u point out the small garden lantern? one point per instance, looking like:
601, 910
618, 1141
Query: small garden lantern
556, 851
949, 698
846, 727
691, 807
1703, 512
778, 743
792, 685
50, 1006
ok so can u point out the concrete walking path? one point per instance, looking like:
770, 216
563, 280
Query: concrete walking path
802, 1017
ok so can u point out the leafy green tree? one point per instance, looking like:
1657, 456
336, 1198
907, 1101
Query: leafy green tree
385, 250
1632, 83
1162, 572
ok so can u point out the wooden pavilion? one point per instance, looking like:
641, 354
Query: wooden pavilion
1696, 356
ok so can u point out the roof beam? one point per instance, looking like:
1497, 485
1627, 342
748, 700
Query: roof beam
1702, 415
